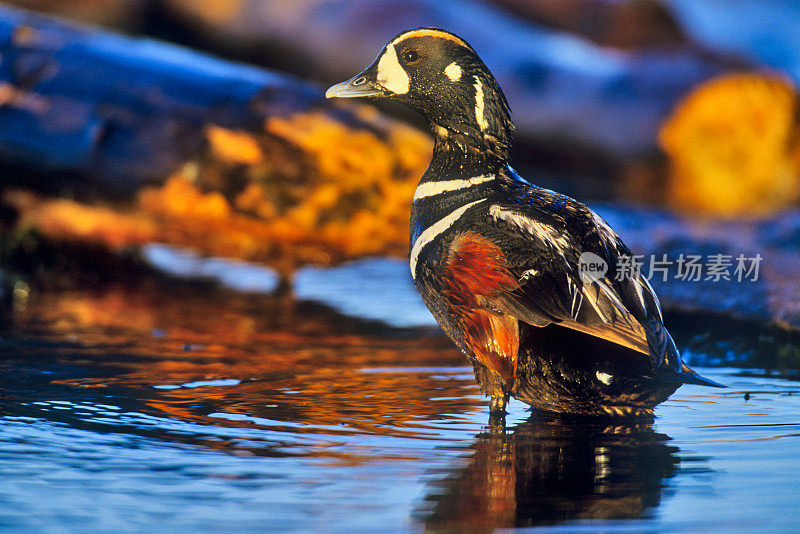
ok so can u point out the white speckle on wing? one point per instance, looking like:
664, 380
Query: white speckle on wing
429, 189
577, 299
453, 71
527, 275
391, 74
435, 230
480, 114
605, 378
545, 233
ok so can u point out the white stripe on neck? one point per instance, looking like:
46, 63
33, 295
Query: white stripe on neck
430, 189
433, 231
480, 112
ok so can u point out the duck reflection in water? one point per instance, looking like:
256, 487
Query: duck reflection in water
549, 470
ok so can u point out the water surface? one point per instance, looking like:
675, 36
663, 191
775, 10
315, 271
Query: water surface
190, 408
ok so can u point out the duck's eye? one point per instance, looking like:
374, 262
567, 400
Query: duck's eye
410, 56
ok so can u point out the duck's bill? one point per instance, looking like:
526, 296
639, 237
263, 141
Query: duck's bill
358, 86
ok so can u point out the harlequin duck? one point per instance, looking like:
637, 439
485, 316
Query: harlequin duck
499, 261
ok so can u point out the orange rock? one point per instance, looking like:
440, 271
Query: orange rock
234, 146
733, 147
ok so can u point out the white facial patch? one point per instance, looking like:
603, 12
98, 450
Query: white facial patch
390, 74
453, 71
480, 115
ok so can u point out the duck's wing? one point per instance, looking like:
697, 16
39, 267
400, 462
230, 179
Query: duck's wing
546, 242
546, 253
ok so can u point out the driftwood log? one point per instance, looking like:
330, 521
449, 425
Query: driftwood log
141, 141
623, 24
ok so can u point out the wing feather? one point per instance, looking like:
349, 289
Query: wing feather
625, 312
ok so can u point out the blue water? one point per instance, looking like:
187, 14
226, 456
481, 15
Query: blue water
133, 409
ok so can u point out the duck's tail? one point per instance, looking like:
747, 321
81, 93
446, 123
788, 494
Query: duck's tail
674, 369
687, 375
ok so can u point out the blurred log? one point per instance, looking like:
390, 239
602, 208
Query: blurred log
562, 88
224, 158
624, 24
127, 14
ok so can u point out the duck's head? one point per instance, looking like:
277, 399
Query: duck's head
439, 75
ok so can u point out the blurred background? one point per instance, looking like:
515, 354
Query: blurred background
204, 288
676, 119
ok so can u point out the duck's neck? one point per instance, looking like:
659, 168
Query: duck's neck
460, 174
472, 128
459, 155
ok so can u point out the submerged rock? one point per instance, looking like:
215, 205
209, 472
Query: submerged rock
765, 289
